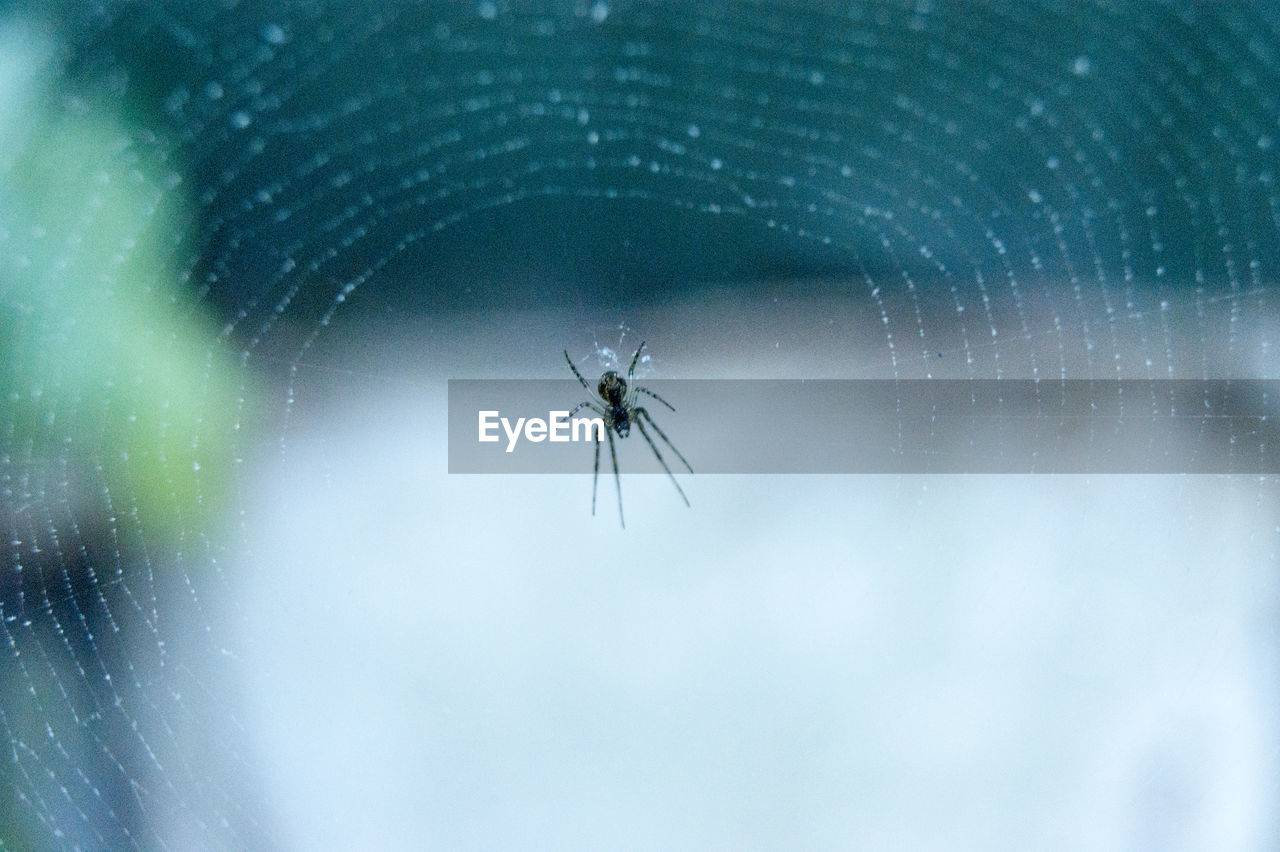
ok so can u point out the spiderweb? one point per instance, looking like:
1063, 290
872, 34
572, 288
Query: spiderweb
233, 231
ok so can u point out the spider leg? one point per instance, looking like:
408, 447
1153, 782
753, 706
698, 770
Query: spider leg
595, 471
634, 358
643, 415
639, 389
595, 408
595, 477
663, 436
617, 480
575, 371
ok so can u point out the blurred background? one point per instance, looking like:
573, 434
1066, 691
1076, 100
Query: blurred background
243, 246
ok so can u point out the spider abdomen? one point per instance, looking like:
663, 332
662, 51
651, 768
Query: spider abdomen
621, 420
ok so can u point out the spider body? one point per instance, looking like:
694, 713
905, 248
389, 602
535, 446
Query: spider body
613, 391
615, 402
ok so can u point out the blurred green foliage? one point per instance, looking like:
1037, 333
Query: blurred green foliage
106, 359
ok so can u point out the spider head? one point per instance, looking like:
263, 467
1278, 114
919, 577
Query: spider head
612, 388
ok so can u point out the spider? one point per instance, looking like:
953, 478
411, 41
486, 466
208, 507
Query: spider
615, 401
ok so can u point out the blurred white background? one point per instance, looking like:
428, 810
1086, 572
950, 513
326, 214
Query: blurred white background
978, 662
